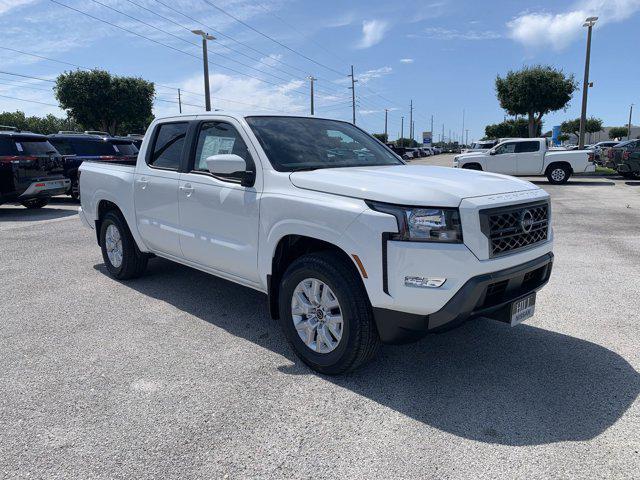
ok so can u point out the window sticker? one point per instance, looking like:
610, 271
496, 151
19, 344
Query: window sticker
115, 147
19, 147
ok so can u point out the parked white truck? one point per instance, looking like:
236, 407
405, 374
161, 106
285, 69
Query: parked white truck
529, 157
352, 246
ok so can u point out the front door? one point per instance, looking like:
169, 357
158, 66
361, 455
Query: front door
156, 189
504, 159
219, 217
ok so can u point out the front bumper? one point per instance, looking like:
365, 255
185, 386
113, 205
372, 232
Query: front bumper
487, 295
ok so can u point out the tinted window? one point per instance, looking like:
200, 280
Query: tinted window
217, 138
125, 148
293, 143
167, 150
525, 147
506, 148
34, 146
63, 146
92, 147
6, 147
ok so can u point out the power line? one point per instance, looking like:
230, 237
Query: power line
24, 85
273, 39
27, 76
30, 101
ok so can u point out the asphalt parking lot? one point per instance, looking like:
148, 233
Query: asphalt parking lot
182, 375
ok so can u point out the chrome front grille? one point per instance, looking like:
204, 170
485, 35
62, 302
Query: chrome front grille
516, 227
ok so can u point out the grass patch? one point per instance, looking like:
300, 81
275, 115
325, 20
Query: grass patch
605, 170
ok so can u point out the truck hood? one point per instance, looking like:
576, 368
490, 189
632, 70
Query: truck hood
409, 184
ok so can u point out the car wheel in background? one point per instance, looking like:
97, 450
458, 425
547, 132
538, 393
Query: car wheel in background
472, 166
326, 315
74, 191
558, 175
120, 253
34, 203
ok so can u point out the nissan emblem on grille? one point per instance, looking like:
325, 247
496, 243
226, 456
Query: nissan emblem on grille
526, 221
513, 228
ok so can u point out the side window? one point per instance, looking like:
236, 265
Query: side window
6, 147
506, 148
526, 147
63, 146
168, 145
218, 138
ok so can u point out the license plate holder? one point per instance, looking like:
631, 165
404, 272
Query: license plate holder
522, 309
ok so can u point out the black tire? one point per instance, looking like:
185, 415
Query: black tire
558, 174
472, 166
631, 175
360, 340
134, 262
34, 203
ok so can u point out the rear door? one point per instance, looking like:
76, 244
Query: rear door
529, 157
504, 159
219, 216
156, 188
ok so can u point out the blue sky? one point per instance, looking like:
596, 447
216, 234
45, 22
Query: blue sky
442, 54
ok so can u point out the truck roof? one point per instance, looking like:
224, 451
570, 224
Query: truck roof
240, 116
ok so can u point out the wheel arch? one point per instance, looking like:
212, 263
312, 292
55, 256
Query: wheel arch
105, 206
558, 163
291, 247
472, 166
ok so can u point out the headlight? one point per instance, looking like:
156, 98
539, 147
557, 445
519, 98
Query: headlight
423, 224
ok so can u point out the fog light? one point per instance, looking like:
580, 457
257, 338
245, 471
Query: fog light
424, 282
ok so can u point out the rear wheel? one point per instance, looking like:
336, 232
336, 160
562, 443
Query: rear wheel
34, 203
558, 174
120, 253
472, 166
326, 315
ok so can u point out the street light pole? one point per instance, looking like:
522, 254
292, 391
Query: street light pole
629, 124
353, 95
589, 23
402, 131
386, 115
205, 59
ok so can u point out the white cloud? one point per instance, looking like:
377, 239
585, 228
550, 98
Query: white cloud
6, 5
440, 33
369, 75
544, 29
373, 32
406, 60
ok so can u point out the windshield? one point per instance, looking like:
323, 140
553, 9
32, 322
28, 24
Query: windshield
293, 143
34, 146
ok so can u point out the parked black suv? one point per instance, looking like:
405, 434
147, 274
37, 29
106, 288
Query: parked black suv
31, 170
77, 147
625, 158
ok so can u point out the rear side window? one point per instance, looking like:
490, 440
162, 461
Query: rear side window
168, 146
63, 146
125, 148
92, 147
526, 147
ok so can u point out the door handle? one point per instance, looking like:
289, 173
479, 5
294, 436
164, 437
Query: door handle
143, 182
187, 188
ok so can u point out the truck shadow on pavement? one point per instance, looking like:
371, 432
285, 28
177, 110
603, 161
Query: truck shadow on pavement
484, 381
581, 183
21, 214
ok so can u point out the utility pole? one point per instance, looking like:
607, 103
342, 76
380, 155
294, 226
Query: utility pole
442, 136
413, 130
402, 130
205, 60
311, 80
179, 102
432, 132
386, 114
629, 125
589, 23
462, 132
353, 95
411, 119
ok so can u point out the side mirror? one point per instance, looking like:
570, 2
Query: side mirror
492, 152
231, 164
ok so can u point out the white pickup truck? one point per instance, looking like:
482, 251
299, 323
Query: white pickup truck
529, 157
352, 246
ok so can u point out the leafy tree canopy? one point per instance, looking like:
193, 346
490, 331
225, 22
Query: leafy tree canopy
406, 142
383, 137
534, 92
510, 129
101, 101
592, 125
43, 125
618, 132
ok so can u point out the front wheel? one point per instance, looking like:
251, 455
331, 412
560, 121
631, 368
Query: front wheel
119, 250
326, 315
34, 203
74, 191
558, 175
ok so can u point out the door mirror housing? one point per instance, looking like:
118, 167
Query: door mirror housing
231, 165
492, 152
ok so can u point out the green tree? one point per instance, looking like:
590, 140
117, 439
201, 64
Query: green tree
406, 142
511, 128
101, 101
534, 92
44, 125
592, 125
563, 137
618, 132
383, 137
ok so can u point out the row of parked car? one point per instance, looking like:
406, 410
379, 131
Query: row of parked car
621, 156
35, 167
408, 153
